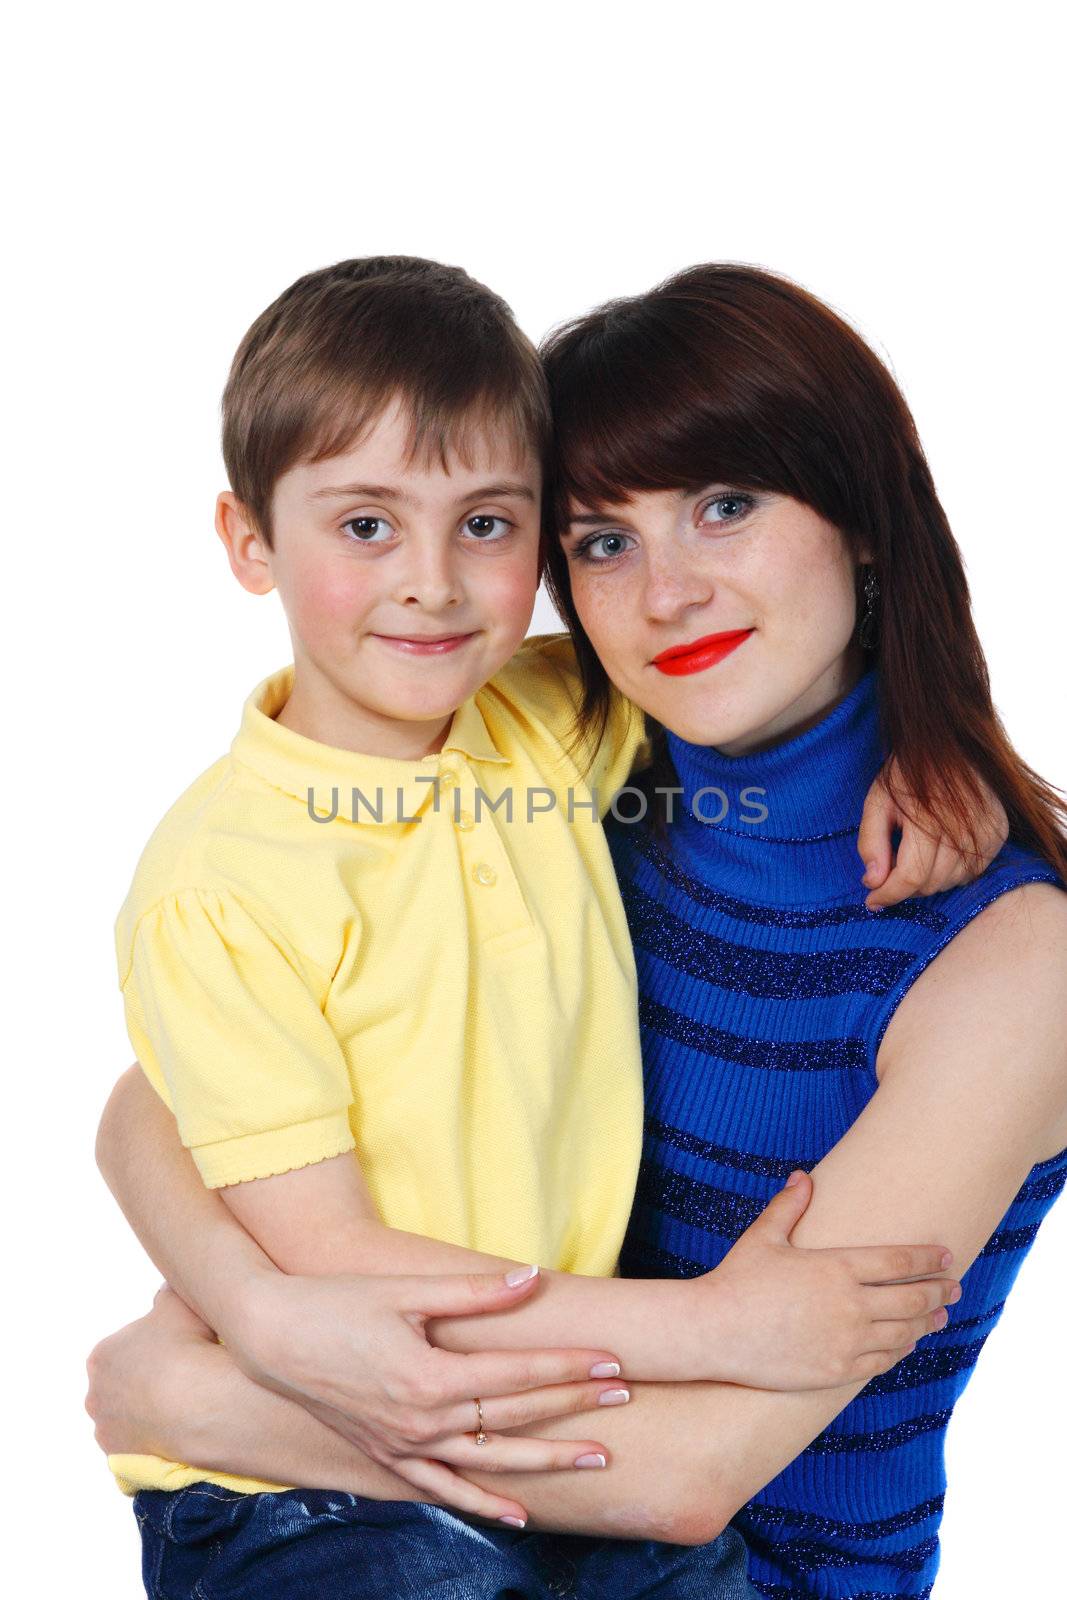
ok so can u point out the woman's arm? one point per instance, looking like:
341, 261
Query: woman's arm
354, 1350
973, 1092
770, 1314
161, 1386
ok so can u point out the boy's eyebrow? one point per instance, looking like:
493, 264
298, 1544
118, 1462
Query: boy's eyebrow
385, 491
493, 491
371, 491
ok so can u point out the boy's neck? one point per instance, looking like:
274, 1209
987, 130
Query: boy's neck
322, 713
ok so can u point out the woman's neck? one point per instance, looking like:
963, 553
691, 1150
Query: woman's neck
780, 824
828, 690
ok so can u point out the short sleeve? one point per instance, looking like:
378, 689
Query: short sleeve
227, 1021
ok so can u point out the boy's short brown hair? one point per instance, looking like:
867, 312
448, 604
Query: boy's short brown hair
319, 365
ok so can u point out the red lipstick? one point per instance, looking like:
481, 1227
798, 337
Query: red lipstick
700, 653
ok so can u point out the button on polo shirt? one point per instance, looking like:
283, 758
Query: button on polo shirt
324, 951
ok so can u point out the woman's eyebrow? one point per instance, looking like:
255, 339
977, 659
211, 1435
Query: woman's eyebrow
586, 519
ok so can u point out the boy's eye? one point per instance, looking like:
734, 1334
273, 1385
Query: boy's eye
366, 530
603, 547
484, 527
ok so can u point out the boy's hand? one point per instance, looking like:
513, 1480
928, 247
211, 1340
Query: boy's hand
353, 1351
926, 862
790, 1318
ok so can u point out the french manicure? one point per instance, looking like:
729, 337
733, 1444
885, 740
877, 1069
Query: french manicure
614, 1397
605, 1369
519, 1275
591, 1460
513, 1522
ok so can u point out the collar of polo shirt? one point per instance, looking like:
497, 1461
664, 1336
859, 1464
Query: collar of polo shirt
397, 790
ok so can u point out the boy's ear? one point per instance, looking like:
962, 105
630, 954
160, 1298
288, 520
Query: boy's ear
248, 554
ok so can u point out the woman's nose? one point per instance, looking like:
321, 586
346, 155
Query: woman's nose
673, 585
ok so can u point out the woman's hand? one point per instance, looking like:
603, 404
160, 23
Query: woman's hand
353, 1352
790, 1318
409, 1429
130, 1380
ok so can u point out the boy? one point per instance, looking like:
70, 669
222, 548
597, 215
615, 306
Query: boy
398, 821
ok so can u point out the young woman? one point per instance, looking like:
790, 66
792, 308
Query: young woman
752, 551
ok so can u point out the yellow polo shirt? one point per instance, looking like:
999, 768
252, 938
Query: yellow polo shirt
426, 962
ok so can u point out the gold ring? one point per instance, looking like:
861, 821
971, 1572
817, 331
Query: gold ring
480, 1437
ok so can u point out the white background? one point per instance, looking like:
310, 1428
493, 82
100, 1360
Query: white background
173, 170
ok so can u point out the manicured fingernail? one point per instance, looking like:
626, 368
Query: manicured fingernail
519, 1275
946, 1258
513, 1522
591, 1460
605, 1369
793, 1179
940, 1317
957, 1294
614, 1397
870, 869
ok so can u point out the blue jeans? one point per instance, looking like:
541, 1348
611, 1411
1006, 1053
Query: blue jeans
208, 1543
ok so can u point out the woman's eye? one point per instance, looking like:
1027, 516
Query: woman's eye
485, 527
724, 508
365, 530
604, 547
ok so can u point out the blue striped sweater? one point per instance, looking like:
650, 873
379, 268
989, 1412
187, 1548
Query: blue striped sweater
766, 988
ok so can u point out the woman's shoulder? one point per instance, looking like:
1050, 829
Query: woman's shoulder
1012, 917
992, 1006
1015, 878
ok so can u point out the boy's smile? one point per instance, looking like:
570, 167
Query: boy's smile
407, 581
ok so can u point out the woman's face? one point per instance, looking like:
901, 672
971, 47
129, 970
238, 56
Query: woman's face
727, 615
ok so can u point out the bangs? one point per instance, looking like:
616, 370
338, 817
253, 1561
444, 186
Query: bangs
441, 429
660, 393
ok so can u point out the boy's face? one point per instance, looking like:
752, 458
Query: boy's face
406, 584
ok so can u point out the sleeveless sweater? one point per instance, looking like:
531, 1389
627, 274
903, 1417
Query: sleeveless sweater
766, 988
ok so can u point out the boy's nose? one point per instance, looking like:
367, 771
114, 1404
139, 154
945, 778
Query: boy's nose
432, 585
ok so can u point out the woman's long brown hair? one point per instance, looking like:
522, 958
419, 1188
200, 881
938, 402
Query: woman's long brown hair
733, 375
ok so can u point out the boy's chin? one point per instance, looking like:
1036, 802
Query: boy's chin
418, 713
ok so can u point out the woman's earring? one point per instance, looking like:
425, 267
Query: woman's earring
868, 634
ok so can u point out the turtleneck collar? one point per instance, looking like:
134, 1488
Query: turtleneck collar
781, 823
